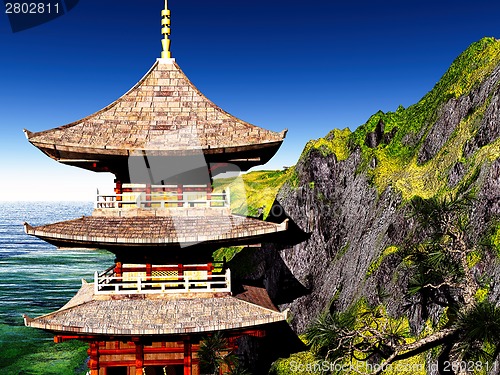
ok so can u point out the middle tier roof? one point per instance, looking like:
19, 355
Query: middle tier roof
139, 233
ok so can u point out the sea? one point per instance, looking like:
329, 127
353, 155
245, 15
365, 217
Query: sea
37, 278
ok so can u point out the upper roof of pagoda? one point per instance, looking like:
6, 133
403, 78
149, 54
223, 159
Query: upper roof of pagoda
164, 114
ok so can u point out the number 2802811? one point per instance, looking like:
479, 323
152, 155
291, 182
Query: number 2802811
31, 8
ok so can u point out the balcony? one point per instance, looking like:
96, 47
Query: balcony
162, 279
162, 196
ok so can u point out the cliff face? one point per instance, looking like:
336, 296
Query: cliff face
350, 191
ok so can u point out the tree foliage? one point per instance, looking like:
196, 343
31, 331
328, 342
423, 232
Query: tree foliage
216, 356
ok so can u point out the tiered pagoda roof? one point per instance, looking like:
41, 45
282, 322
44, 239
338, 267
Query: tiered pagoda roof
163, 227
141, 232
164, 114
87, 314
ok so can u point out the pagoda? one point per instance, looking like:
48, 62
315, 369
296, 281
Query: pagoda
164, 141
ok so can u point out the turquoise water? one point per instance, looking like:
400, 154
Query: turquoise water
35, 279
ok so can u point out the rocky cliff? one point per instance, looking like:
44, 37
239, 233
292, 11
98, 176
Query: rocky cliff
350, 191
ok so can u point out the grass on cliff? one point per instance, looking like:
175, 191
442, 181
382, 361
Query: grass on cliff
252, 190
335, 142
21, 353
313, 362
394, 163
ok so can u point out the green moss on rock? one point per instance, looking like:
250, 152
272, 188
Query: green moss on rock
303, 363
253, 190
336, 142
393, 162
375, 265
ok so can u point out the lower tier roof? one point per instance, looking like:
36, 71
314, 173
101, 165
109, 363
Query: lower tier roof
87, 314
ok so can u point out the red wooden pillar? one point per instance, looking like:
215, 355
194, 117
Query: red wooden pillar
210, 268
139, 358
180, 271
118, 189
148, 195
93, 353
188, 357
209, 196
118, 192
149, 271
180, 195
118, 269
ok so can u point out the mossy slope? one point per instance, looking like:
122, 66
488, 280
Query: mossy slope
253, 190
394, 160
445, 141
44, 358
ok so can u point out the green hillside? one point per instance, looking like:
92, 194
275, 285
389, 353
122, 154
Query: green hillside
253, 190
416, 152
395, 161
412, 151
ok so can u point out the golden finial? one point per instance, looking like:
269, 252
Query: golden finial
165, 23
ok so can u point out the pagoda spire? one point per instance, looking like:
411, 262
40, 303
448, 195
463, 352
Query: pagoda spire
165, 22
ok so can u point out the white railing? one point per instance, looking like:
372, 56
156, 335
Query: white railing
107, 283
159, 200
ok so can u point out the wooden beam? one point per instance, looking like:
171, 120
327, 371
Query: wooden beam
146, 350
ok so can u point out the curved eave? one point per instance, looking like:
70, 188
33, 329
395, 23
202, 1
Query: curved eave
135, 233
61, 152
163, 114
159, 316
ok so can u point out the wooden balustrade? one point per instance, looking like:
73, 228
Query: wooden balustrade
137, 280
155, 200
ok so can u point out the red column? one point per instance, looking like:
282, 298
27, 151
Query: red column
210, 268
139, 358
93, 353
209, 196
180, 195
149, 271
118, 269
118, 189
188, 357
148, 194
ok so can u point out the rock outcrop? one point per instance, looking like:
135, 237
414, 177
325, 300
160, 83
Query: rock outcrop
355, 207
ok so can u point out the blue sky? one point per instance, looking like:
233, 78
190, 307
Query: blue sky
306, 66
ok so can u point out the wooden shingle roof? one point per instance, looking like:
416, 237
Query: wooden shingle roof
127, 316
256, 295
163, 231
163, 114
